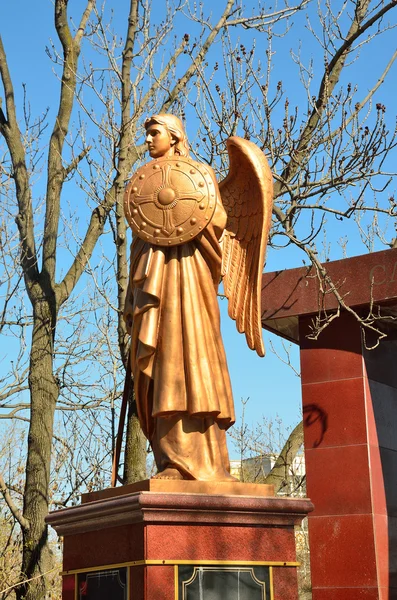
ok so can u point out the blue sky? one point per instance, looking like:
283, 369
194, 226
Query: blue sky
272, 387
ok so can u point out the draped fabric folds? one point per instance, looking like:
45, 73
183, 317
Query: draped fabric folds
181, 379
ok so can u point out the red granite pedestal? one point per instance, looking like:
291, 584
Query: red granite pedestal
349, 398
156, 534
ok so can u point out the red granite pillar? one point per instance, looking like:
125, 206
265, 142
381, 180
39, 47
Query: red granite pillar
350, 446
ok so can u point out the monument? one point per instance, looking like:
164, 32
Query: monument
349, 395
192, 531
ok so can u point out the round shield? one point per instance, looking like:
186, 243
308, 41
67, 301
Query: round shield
170, 200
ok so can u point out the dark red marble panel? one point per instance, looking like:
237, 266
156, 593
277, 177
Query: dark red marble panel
160, 583
334, 413
348, 593
68, 587
103, 547
205, 542
342, 552
335, 355
338, 480
137, 583
285, 583
296, 291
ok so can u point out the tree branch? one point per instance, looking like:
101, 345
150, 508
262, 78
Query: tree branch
17, 514
328, 83
56, 171
10, 130
11, 392
260, 21
75, 162
198, 60
360, 105
159, 80
94, 230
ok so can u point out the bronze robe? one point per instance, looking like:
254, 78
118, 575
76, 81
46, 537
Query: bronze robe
181, 380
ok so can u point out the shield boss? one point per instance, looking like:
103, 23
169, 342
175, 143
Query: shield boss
170, 200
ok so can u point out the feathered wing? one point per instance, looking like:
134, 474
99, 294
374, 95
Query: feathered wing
247, 195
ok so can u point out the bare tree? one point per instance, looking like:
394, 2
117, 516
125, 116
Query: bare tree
329, 153
76, 460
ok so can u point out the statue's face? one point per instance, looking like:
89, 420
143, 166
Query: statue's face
159, 140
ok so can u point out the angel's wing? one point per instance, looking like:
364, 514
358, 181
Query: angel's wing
247, 195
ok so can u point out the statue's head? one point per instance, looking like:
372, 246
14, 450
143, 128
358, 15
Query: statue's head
175, 130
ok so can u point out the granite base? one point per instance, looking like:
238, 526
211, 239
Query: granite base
154, 544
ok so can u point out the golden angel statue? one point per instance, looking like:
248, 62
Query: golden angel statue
187, 234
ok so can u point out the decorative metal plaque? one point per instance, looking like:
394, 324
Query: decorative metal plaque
103, 585
220, 582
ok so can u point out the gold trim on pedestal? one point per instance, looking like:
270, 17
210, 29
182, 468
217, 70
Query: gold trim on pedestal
176, 580
176, 563
271, 583
140, 563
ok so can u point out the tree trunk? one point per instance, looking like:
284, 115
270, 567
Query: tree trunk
37, 557
135, 445
280, 474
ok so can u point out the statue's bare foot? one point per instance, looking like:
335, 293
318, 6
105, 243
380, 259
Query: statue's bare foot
169, 473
